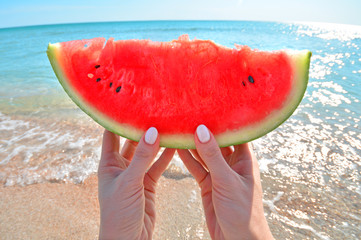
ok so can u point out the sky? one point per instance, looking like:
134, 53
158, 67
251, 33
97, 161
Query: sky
39, 12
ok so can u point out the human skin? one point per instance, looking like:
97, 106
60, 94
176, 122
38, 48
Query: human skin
230, 188
229, 181
127, 184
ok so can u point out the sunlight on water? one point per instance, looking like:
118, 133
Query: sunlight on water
330, 31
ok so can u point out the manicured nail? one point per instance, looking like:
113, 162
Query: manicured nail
203, 134
151, 135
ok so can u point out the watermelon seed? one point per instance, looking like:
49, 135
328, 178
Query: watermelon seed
250, 79
118, 88
110, 84
98, 79
243, 83
97, 66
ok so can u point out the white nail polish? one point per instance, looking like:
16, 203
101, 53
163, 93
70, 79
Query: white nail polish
151, 135
203, 134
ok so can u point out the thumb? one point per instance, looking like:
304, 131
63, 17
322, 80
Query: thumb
144, 155
210, 152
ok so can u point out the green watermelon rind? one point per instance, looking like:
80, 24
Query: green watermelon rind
300, 61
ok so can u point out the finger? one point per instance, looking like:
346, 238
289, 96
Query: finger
243, 149
161, 164
242, 159
145, 153
110, 142
210, 152
227, 153
241, 152
109, 147
198, 158
193, 166
128, 149
255, 164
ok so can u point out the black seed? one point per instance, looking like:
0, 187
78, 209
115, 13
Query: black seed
250, 79
98, 79
243, 83
97, 66
110, 84
118, 89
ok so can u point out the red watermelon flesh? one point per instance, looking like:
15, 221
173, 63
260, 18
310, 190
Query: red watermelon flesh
130, 85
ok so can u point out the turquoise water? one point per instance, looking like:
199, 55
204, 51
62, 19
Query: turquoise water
311, 165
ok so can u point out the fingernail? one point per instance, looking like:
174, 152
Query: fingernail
151, 135
203, 134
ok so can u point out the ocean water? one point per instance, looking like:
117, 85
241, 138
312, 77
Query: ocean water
311, 165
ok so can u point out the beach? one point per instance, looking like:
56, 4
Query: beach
49, 188
71, 211
53, 194
50, 211
49, 149
62, 203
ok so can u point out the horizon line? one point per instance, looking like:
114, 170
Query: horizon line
180, 20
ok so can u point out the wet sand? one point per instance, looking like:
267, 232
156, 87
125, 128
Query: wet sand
71, 211
50, 211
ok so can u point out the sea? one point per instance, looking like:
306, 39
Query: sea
310, 165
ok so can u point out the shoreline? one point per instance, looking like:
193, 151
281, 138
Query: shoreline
49, 185
71, 211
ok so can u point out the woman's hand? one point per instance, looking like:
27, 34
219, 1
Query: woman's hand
127, 187
230, 187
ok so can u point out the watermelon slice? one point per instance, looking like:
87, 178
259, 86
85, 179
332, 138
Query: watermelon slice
128, 86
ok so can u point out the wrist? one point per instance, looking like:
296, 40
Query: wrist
260, 230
